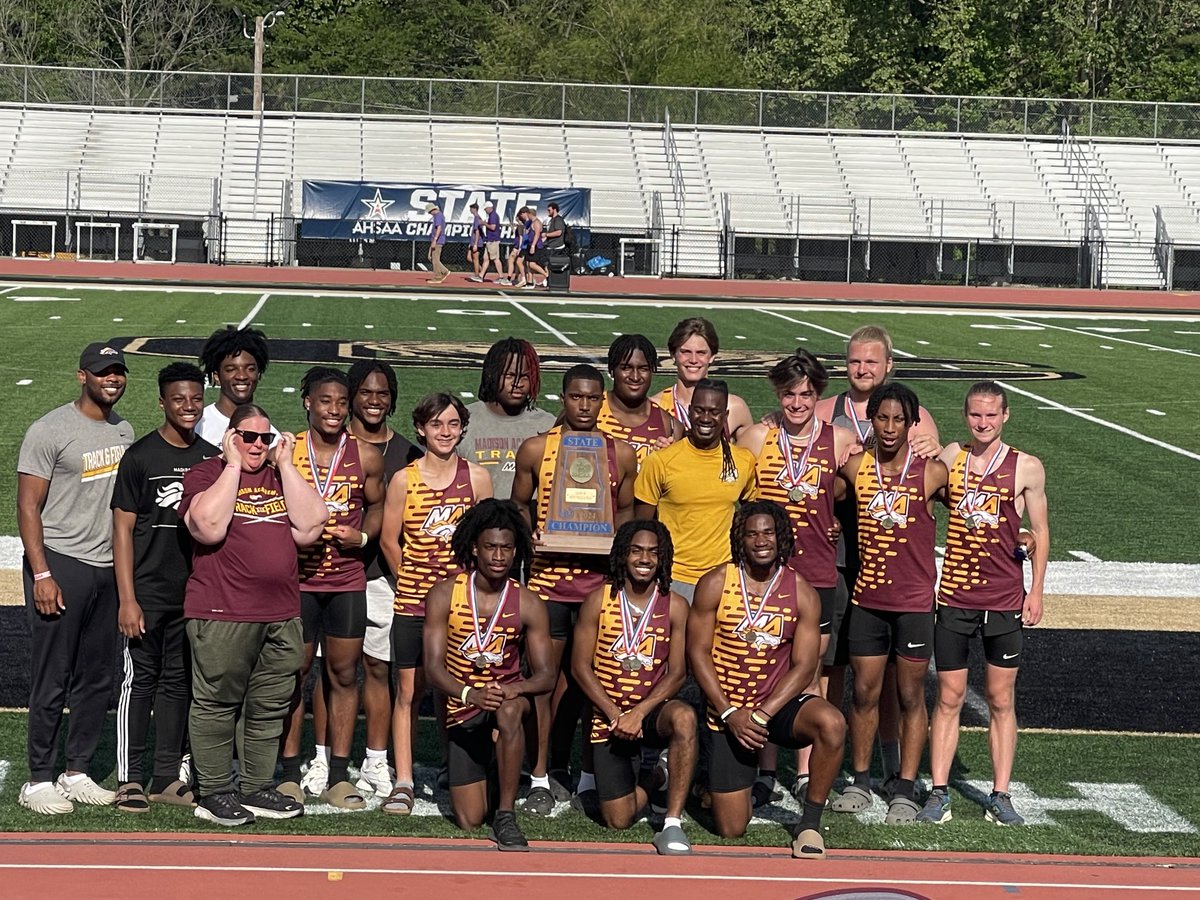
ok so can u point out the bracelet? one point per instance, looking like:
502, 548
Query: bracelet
728, 712
362, 539
462, 698
758, 720
42, 576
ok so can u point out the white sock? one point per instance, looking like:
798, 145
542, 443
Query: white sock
671, 820
321, 753
587, 782
74, 779
542, 781
376, 754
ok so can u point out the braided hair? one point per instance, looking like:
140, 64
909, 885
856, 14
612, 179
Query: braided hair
319, 375
729, 470
487, 514
363, 369
622, 542
496, 361
230, 341
785, 541
894, 390
622, 349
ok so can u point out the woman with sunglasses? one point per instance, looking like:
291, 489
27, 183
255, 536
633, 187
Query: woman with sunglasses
247, 511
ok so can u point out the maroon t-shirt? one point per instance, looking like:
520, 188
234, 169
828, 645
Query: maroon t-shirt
251, 576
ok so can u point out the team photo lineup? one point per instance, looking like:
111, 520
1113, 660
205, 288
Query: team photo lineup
686, 586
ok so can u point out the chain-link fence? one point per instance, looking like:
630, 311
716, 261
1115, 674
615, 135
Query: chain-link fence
227, 91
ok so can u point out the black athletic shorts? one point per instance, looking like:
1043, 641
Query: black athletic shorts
616, 762
562, 619
838, 653
732, 767
878, 632
336, 614
471, 749
408, 635
833, 608
537, 257
1001, 632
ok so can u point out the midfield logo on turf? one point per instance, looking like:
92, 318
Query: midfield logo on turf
557, 358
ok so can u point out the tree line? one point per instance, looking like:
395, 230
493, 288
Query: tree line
1087, 49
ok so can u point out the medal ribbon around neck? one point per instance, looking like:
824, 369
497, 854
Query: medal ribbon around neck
325, 488
796, 474
863, 436
888, 508
633, 637
681, 412
482, 640
968, 500
752, 621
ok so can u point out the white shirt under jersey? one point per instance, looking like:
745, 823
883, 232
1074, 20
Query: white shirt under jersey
213, 424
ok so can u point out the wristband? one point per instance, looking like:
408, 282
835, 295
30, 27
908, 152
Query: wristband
728, 712
758, 720
362, 539
42, 576
462, 698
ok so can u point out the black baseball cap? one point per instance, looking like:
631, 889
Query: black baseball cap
97, 357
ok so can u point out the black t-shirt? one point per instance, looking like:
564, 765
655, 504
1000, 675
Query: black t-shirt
150, 484
559, 224
397, 454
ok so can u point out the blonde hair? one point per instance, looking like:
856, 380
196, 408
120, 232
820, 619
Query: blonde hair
872, 334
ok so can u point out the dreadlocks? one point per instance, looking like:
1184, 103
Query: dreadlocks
622, 349
525, 361
487, 514
623, 540
319, 375
230, 341
363, 369
894, 390
785, 541
729, 470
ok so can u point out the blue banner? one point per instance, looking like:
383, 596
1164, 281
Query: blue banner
396, 211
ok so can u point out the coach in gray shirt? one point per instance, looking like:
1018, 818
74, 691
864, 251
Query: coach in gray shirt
65, 474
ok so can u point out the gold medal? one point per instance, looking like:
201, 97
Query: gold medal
887, 522
480, 661
631, 664
581, 470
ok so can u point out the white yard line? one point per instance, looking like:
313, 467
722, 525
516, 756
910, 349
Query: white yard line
1084, 555
550, 329
1107, 337
15, 287
262, 301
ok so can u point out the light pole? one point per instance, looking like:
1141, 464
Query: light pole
261, 24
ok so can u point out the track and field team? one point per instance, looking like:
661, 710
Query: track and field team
221, 560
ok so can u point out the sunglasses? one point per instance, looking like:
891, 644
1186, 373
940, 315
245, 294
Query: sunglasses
249, 437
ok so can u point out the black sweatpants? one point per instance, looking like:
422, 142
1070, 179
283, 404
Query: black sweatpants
72, 658
158, 677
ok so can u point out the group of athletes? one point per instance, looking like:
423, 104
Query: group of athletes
751, 563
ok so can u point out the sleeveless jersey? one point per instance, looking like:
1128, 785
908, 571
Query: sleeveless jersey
559, 576
897, 569
749, 670
325, 566
643, 438
430, 517
629, 688
812, 515
397, 452
979, 570
461, 648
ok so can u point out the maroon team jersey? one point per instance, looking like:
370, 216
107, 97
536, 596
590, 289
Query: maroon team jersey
327, 566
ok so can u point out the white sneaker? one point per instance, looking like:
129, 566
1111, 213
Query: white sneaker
315, 779
84, 790
375, 776
43, 798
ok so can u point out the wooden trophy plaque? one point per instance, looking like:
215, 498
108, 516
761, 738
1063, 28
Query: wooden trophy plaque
580, 514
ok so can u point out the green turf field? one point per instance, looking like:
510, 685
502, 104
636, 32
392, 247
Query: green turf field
1116, 431
1107, 795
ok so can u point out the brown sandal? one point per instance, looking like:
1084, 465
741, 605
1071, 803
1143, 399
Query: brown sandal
175, 794
400, 801
131, 798
343, 795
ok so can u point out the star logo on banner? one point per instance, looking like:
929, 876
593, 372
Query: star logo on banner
377, 206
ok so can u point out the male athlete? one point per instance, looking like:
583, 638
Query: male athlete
754, 646
152, 553
694, 485
424, 504
505, 414
630, 660
333, 601
627, 412
693, 345
982, 592
475, 623
894, 490
565, 580
234, 359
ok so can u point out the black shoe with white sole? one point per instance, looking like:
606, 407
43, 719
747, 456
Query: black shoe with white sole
270, 804
223, 809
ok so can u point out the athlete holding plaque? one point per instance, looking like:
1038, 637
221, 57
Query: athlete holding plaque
753, 642
894, 490
628, 412
982, 592
629, 658
475, 624
564, 579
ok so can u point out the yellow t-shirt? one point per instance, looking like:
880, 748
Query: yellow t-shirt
694, 503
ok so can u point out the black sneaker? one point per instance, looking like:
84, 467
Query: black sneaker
270, 804
223, 809
507, 833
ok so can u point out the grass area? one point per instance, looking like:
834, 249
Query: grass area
1100, 480
1046, 764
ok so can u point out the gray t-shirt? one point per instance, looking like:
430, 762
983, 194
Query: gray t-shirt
79, 457
493, 441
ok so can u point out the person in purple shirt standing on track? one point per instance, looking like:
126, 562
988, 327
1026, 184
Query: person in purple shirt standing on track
491, 242
437, 241
475, 248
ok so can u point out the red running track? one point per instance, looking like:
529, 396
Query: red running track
152, 867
